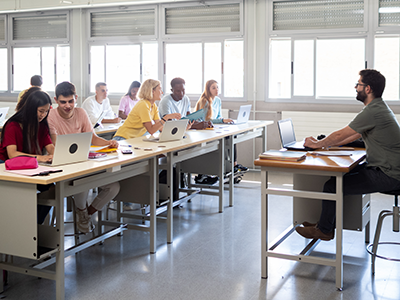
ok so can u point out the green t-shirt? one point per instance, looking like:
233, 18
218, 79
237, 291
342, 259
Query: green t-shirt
381, 134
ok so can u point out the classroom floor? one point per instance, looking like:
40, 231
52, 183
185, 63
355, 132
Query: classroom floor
217, 256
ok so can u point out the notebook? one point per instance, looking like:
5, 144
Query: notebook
172, 131
71, 148
288, 138
243, 115
3, 114
195, 115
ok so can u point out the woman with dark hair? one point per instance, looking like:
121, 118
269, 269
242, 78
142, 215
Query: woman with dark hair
25, 96
129, 100
27, 131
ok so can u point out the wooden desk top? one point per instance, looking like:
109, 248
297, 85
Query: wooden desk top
193, 138
321, 163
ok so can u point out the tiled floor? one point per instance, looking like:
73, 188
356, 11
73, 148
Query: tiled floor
217, 256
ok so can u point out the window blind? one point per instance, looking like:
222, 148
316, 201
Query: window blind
203, 19
318, 14
2, 28
40, 27
122, 23
389, 12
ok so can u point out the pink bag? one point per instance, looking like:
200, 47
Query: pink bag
21, 162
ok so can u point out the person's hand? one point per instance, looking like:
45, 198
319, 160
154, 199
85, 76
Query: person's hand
117, 120
228, 121
176, 116
311, 142
189, 125
208, 124
44, 158
113, 144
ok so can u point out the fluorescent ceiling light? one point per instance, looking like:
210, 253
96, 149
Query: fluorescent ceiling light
389, 10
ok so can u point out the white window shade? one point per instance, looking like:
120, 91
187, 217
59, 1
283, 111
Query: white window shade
318, 14
203, 19
40, 27
126, 23
389, 13
2, 28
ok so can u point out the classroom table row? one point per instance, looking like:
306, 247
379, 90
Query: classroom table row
45, 244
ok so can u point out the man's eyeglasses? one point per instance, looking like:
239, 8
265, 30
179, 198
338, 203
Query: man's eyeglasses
362, 84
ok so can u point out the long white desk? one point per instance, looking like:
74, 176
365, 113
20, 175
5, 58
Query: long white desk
20, 208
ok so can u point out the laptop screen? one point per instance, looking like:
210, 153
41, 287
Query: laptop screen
286, 132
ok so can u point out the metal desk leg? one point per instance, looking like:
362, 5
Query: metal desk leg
170, 185
232, 163
221, 173
264, 224
153, 163
339, 232
60, 289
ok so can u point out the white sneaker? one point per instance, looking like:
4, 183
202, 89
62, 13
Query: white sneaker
128, 206
83, 221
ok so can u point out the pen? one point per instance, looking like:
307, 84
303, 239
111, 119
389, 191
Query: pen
125, 145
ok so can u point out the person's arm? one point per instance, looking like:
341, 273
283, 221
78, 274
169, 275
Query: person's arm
110, 116
158, 124
336, 138
114, 120
12, 152
122, 115
50, 149
98, 141
88, 106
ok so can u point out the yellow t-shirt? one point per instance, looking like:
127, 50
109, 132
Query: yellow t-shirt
141, 113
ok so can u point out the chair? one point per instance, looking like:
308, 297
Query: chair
382, 215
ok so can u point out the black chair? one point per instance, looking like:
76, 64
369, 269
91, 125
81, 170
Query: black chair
382, 215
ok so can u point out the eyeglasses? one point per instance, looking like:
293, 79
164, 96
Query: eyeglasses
362, 84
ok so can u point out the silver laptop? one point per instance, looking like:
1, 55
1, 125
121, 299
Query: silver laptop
99, 119
172, 131
71, 148
3, 114
243, 115
288, 139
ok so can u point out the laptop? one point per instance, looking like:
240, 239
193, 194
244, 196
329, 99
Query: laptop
3, 114
71, 148
172, 131
99, 119
288, 139
243, 115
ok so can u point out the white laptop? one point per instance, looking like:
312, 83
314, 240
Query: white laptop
172, 131
71, 148
288, 139
99, 119
3, 114
243, 115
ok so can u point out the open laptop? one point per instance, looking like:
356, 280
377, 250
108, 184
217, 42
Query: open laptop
243, 115
71, 148
288, 139
3, 114
99, 119
172, 131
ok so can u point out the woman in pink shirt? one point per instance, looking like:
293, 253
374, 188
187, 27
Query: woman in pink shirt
128, 101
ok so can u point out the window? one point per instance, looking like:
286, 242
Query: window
222, 61
3, 69
389, 13
387, 62
336, 63
119, 65
29, 61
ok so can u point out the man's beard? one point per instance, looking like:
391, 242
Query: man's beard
361, 96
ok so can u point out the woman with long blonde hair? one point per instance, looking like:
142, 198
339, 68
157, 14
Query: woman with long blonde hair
144, 115
208, 99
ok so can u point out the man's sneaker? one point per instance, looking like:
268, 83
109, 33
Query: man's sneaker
240, 167
83, 221
205, 179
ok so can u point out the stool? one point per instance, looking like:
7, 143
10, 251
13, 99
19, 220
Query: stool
382, 215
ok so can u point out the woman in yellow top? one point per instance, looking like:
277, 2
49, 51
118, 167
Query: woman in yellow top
144, 115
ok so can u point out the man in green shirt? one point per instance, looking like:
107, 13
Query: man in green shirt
380, 131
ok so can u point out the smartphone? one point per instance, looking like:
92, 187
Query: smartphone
126, 151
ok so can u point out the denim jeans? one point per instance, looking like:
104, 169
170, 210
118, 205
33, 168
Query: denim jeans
361, 180
118, 138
